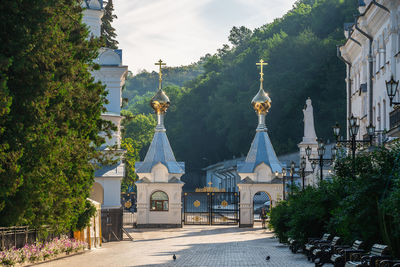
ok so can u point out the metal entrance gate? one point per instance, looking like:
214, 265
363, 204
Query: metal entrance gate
211, 208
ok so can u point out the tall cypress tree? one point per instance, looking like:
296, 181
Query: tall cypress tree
51, 116
107, 30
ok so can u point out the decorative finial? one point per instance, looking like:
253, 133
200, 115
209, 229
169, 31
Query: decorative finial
160, 101
261, 102
160, 63
261, 64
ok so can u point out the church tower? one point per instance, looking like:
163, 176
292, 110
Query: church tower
261, 171
107, 187
159, 187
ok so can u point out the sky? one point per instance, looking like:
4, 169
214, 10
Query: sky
181, 31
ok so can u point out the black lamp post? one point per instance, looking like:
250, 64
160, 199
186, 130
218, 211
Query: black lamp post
292, 169
352, 142
284, 178
391, 89
303, 165
320, 159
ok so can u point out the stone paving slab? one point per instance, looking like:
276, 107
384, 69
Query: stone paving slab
194, 246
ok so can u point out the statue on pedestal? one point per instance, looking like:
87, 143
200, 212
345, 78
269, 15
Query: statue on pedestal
309, 130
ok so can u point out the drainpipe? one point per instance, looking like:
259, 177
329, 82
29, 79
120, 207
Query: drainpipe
352, 39
370, 61
394, 36
348, 84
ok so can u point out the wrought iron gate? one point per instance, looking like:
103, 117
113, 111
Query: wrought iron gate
211, 208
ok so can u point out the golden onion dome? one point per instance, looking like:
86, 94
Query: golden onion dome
261, 102
160, 102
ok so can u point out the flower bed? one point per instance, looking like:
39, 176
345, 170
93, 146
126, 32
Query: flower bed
40, 251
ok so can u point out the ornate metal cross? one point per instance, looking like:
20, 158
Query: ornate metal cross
262, 63
209, 184
160, 63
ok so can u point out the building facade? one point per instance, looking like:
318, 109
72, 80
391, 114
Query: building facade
372, 56
107, 187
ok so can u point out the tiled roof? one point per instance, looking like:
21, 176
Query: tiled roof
261, 151
160, 151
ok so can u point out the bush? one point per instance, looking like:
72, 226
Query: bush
278, 218
365, 206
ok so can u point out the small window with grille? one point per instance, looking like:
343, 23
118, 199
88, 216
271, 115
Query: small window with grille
159, 201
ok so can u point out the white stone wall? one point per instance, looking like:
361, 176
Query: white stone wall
384, 29
159, 174
112, 189
92, 18
146, 217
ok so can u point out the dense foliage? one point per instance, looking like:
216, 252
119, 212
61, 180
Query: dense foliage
141, 87
108, 33
50, 114
213, 120
365, 207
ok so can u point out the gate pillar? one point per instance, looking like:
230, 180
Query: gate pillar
246, 206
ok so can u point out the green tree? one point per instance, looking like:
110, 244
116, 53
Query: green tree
140, 128
131, 156
108, 33
239, 35
52, 117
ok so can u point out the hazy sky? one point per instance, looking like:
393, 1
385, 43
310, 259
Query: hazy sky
181, 31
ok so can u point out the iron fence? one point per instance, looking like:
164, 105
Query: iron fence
18, 236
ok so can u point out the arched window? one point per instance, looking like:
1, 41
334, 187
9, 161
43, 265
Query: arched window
159, 201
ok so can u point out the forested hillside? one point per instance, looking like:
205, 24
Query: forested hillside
212, 118
141, 87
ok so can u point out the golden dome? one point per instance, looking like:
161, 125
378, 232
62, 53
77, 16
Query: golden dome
261, 102
160, 102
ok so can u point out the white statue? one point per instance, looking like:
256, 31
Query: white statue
309, 130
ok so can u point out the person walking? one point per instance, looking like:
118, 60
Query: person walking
263, 216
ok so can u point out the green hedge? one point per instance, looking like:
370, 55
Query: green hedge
366, 206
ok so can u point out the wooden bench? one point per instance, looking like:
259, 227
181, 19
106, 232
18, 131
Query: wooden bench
378, 252
389, 263
323, 252
342, 253
313, 242
294, 245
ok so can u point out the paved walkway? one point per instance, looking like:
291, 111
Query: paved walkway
194, 246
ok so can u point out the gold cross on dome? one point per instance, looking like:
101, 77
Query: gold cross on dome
262, 63
160, 63
209, 184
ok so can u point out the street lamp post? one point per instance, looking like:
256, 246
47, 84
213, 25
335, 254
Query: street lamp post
284, 173
391, 89
320, 159
292, 166
303, 171
352, 142
284, 177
